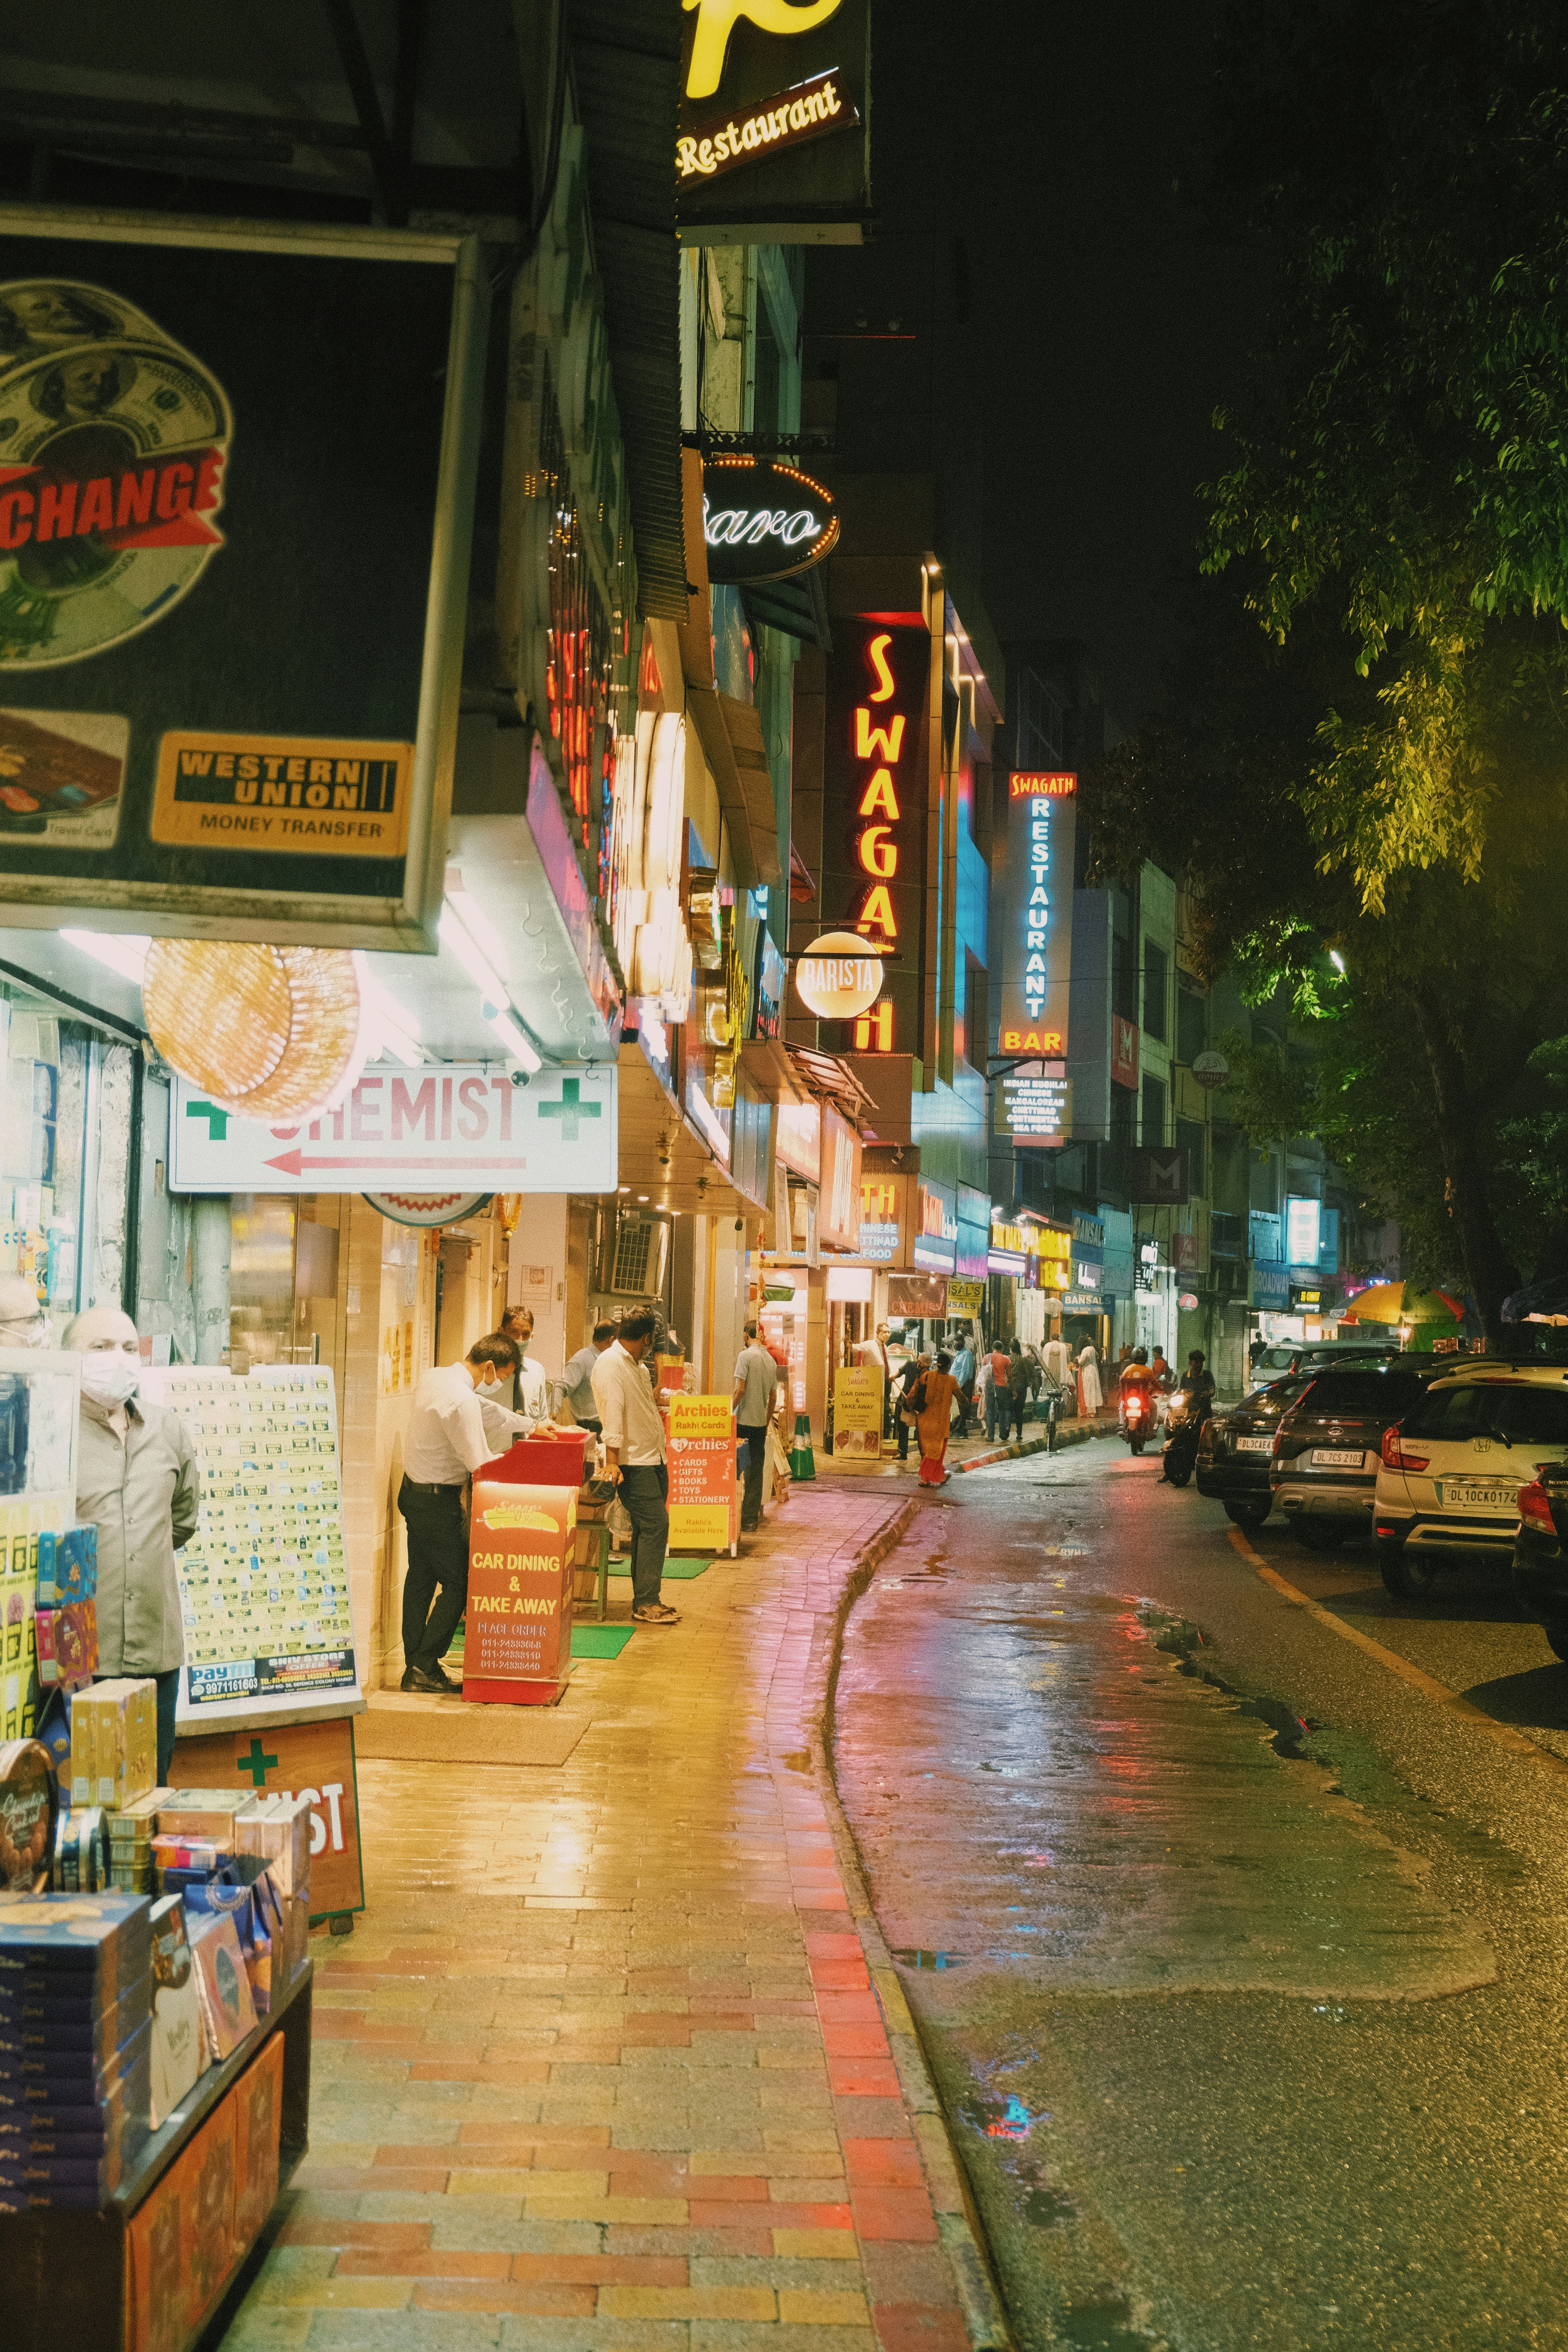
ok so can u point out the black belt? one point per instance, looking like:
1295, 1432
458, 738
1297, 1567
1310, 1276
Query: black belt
437, 1486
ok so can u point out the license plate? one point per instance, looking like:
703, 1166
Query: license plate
1335, 1457
1255, 1445
1478, 1494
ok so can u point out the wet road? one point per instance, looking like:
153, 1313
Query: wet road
1239, 1952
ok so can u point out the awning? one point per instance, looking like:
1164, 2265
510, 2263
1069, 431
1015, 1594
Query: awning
797, 606
662, 1161
730, 734
625, 62
829, 1077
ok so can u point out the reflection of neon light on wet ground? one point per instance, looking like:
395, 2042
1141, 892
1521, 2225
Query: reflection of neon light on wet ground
1013, 2123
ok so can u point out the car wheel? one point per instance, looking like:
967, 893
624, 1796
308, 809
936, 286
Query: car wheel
1558, 1637
1406, 1575
1320, 1535
1248, 1514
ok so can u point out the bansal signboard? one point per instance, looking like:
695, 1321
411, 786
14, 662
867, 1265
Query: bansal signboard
763, 519
1036, 904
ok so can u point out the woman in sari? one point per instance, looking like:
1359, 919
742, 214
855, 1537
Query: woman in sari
935, 1421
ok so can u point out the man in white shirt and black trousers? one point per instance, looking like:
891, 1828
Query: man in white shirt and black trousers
446, 1443
632, 1434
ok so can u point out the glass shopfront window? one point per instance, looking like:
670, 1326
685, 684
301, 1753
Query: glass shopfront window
67, 1111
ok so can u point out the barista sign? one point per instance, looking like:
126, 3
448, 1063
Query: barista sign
458, 1125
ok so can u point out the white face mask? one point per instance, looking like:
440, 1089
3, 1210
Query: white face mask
110, 1375
34, 1333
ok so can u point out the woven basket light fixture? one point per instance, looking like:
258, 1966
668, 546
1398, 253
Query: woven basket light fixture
267, 1033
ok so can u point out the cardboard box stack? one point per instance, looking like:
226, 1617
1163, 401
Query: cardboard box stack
76, 2011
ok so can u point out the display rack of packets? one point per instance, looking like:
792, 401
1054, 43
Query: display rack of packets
23, 1519
263, 1580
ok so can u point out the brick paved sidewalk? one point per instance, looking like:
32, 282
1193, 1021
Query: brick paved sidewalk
602, 2068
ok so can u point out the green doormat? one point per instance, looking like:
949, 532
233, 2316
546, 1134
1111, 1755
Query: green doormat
600, 1641
676, 1568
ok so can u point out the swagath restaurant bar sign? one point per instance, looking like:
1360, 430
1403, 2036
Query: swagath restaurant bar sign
1035, 900
773, 139
233, 574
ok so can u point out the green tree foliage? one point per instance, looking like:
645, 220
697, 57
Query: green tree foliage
1411, 1068
1398, 459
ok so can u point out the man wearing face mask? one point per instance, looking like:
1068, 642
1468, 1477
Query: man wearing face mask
136, 1477
444, 1442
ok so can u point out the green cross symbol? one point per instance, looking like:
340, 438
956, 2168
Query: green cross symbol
569, 1111
217, 1121
257, 1763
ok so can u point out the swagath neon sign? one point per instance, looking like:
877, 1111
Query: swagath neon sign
763, 521
1037, 902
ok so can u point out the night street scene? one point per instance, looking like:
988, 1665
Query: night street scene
784, 1177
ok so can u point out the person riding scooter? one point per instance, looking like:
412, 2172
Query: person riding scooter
1190, 1407
1135, 1396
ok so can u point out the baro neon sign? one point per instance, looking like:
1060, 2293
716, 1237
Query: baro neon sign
763, 521
1036, 943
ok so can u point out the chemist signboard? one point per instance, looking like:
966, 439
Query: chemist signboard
461, 1125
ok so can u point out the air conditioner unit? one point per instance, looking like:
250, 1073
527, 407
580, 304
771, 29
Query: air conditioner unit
636, 1254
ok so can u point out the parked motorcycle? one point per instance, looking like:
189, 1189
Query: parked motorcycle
1184, 1417
1137, 1418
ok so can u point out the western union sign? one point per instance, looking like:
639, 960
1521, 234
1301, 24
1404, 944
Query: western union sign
293, 792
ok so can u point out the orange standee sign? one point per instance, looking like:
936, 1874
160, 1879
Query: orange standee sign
1036, 908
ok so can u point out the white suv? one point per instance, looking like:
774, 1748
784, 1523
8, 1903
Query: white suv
1453, 1467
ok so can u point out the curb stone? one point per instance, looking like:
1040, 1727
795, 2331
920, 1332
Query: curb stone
1073, 1435
958, 2228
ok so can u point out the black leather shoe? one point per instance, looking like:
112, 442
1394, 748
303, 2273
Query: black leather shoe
429, 1679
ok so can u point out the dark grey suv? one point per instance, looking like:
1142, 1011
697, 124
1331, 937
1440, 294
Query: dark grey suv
1329, 1445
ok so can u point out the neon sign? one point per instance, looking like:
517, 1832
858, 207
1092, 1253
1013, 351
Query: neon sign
877, 745
717, 19
763, 520
1037, 901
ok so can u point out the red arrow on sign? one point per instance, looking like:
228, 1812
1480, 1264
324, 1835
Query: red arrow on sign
294, 1163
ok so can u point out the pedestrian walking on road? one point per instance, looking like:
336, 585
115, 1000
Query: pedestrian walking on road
936, 1420
444, 1442
998, 1397
964, 1371
635, 1455
907, 1381
1018, 1385
755, 1399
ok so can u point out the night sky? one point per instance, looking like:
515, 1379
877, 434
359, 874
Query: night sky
1103, 320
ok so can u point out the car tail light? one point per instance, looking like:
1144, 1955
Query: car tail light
1535, 1509
1398, 1456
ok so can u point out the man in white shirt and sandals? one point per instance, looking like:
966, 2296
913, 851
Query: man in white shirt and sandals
632, 1435
446, 1443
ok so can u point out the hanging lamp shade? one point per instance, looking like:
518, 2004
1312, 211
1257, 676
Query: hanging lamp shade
267, 1033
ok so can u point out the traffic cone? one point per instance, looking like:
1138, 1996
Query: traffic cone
802, 1461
